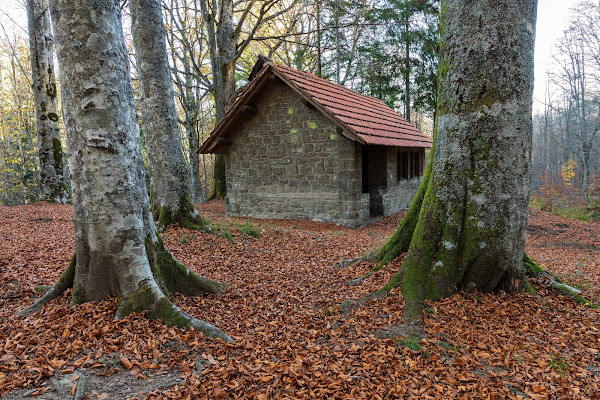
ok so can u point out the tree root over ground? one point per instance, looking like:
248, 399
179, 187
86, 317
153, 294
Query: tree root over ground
535, 271
168, 275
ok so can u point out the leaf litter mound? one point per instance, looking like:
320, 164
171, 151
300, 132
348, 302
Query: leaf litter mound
292, 338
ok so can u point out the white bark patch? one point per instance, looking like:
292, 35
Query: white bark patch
529, 26
97, 43
133, 221
480, 200
98, 138
448, 245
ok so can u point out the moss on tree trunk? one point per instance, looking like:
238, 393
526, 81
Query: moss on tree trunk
220, 183
466, 225
117, 249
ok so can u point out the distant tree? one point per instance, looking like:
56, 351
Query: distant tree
231, 26
186, 42
171, 199
466, 225
117, 249
19, 158
577, 58
41, 46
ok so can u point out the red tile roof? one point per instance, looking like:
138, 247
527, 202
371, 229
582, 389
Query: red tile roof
369, 118
361, 117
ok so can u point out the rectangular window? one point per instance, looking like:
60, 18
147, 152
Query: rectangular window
416, 166
409, 164
403, 165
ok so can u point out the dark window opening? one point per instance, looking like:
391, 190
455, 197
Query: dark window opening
409, 164
416, 166
365, 169
374, 176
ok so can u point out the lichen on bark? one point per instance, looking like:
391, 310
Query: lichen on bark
41, 44
466, 225
117, 249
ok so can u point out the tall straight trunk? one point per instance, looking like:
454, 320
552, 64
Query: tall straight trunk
117, 249
319, 35
546, 133
170, 177
466, 225
41, 45
407, 66
191, 116
227, 56
225, 86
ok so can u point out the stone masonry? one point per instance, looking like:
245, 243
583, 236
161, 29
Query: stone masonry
291, 161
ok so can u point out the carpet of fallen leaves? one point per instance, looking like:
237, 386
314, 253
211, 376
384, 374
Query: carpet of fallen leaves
292, 340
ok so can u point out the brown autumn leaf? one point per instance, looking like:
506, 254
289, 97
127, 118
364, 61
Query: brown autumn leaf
282, 309
126, 363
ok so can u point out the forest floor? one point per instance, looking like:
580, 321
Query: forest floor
292, 340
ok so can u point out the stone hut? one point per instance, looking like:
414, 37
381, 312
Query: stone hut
298, 146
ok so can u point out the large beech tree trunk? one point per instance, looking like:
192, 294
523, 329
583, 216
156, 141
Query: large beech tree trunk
41, 45
117, 249
170, 178
466, 225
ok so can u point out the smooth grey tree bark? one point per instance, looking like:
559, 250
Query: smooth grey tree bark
41, 47
117, 249
185, 42
466, 226
170, 179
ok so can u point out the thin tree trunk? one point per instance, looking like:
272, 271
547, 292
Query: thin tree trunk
469, 227
407, 66
319, 35
225, 86
117, 250
191, 116
169, 175
41, 43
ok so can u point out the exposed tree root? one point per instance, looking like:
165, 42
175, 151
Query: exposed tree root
186, 217
356, 304
64, 282
168, 275
351, 261
358, 280
149, 297
173, 276
535, 271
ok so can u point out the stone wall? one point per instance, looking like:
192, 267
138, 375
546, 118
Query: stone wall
290, 161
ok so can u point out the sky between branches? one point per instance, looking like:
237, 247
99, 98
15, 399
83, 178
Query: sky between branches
553, 17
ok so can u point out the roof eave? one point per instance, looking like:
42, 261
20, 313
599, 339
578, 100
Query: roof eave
213, 144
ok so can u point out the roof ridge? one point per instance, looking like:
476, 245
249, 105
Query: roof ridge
332, 83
